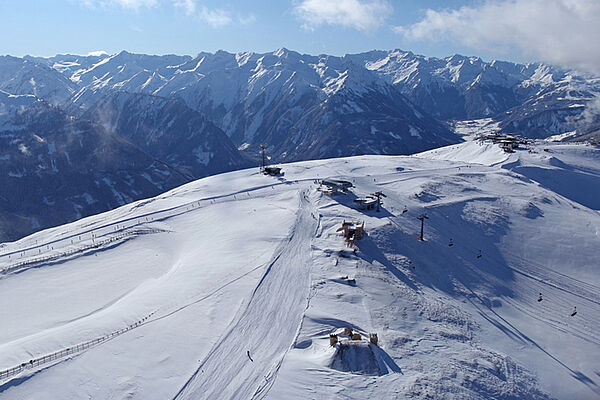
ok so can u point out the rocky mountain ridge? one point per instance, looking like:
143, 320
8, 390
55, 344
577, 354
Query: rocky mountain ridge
184, 117
235, 90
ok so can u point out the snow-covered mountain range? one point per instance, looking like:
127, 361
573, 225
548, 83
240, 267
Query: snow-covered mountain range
301, 106
239, 91
229, 287
459, 87
197, 116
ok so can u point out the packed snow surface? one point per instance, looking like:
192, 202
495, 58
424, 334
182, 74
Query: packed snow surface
229, 287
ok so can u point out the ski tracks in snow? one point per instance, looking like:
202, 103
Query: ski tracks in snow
245, 362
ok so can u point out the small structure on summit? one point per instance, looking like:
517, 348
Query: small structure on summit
373, 338
351, 337
507, 142
263, 168
508, 146
366, 203
334, 186
370, 201
272, 171
352, 231
356, 352
333, 339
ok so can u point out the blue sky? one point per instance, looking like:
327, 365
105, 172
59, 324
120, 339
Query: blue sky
509, 29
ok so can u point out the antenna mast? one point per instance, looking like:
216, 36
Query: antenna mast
263, 153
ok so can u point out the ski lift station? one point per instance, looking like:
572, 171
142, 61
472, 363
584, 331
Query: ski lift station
337, 183
334, 186
272, 170
366, 203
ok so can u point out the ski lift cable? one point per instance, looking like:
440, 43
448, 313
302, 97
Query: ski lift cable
525, 263
510, 265
586, 335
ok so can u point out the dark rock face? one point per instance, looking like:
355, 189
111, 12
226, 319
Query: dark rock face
555, 110
170, 131
348, 123
57, 169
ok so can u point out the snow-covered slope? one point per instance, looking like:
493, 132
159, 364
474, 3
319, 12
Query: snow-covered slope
228, 287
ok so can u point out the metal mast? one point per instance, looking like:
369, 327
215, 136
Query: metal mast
422, 218
379, 195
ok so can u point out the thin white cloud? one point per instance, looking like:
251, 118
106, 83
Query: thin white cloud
564, 32
247, 20
216, 18
363, 15
589, 116
189, 6
128, 4
97, 53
